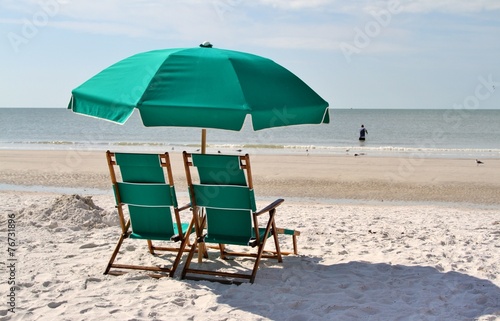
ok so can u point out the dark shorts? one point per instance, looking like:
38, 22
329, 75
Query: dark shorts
361, 138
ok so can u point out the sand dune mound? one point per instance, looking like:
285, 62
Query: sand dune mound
73, 211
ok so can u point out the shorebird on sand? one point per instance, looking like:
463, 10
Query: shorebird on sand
478, 162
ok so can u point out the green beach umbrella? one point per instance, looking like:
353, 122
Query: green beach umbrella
200, 87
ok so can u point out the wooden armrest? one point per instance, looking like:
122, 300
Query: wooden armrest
281, 230
270, 207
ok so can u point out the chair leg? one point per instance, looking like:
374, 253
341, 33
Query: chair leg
184, 242
189, 258
150, 247
257, 260
222, 249
115, 252
294, 235
123, 236
276, 242
271, 228
178, 257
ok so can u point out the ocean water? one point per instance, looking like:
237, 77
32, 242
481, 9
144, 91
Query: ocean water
391, 132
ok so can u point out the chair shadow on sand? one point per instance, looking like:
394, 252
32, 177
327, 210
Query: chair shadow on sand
303, 288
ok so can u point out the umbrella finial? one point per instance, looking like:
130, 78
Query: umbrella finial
206, 44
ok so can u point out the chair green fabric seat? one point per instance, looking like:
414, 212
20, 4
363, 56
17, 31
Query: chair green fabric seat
236, 240
229, 226
153, 223
159, 236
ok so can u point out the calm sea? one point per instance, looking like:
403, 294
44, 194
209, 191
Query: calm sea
391, 132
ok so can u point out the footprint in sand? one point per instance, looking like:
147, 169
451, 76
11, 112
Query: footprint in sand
54, 305
89, 246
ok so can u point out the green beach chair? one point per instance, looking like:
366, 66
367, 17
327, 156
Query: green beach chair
225, 197
150, 200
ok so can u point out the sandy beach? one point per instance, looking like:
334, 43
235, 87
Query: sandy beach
313, 176
382, 238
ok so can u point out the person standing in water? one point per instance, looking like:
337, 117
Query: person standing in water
362, 132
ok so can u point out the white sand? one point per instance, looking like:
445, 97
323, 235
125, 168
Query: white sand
358, 260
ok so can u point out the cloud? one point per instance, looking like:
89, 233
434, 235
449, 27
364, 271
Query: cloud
108, 28
297, 4
366, 6
450, 6
293, 24
130, 18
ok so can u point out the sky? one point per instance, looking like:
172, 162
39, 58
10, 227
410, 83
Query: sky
354, 53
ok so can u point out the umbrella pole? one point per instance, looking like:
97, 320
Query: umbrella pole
203, 141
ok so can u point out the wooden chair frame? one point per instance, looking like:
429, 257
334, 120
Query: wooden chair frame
259, 243
126, 225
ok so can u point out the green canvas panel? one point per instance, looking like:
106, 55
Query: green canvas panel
146, 194
230, 226
153, 223
140, 168
236, 240
224, 196
173, 197
112, 94
278, 98
219, 169
235, 225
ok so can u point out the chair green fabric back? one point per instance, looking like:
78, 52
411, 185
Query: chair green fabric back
219, 169
143, 168
224, 196
148, 196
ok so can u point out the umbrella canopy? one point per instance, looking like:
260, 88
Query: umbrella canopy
200, 87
